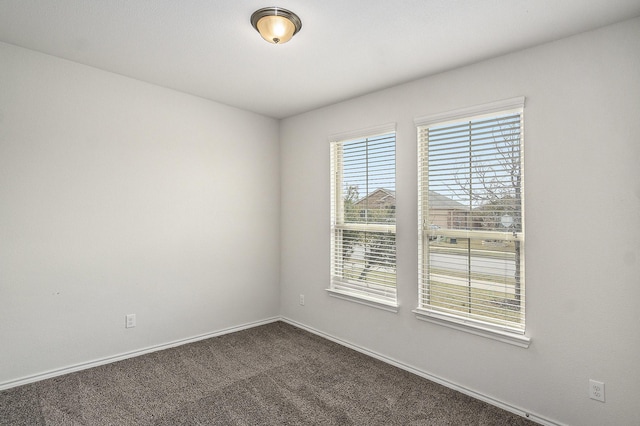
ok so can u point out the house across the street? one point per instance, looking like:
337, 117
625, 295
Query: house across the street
445, 212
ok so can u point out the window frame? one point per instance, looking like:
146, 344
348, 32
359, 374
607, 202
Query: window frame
471, 323
339, 224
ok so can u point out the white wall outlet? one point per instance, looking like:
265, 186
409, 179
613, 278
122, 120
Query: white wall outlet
596, 390
130, 321
302, 300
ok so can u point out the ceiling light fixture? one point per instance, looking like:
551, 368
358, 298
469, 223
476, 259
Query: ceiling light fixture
275, 24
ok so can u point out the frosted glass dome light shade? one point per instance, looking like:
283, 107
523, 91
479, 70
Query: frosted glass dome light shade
276, 25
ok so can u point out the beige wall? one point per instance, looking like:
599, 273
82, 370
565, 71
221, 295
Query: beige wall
120, 197
582, 156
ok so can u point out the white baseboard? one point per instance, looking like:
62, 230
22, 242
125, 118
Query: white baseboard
106, 360
428, 376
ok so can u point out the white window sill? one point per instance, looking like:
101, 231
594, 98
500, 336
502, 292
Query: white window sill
364, 300
468, 327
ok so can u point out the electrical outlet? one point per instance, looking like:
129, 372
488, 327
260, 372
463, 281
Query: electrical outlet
130, 321
596, 390
302, 300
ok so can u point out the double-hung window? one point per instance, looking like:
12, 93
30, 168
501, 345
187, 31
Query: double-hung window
363, 218
471, 220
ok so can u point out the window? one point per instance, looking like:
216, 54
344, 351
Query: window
471, 222
363, 218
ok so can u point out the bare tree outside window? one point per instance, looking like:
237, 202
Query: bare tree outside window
493, 184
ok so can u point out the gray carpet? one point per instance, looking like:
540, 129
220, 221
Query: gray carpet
270, 375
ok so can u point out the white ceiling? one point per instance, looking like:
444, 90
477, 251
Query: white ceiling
346, 48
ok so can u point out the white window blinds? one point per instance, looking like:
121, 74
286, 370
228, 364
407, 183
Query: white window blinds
363, 218
471, 219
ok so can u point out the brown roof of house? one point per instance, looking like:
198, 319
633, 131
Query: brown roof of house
437, 201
